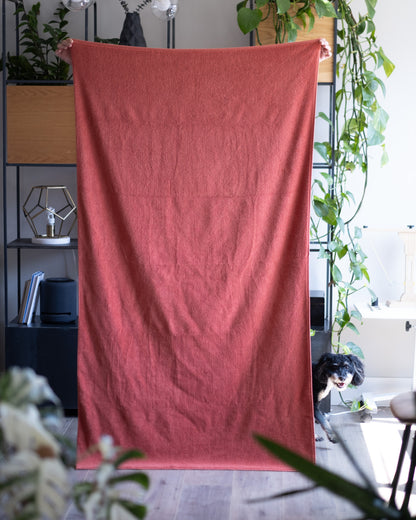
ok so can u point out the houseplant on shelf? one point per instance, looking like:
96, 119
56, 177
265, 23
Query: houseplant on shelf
40, 113
36, 59
360, 122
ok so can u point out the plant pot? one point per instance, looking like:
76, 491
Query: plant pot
41, 124
323, 28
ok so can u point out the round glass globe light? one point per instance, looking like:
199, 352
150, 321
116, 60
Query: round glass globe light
77, 5
164, 9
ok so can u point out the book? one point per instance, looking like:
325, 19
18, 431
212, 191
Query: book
30, 297
34, 297
24, 300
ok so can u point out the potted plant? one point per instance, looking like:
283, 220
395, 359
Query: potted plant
40, 106
36, 460
360, 122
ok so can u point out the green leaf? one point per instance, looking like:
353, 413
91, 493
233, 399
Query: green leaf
328, 177
137, 510
323, 116
388, 65
352, 327
366, 500
371, 7
138, 477
292, 31
261, 3
374, 137
380, 119
355, 349
361, 26
248, 19
127, 455
336, 274
324, 211
241, 4
311, 20
325, 8
384, 156
324, 150
342, 252
283, 6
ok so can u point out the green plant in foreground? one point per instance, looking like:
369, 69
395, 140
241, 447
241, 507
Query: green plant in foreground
37, 60
366, 499
360, 123
35, 461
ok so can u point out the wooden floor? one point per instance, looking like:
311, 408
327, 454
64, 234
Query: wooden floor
224, 495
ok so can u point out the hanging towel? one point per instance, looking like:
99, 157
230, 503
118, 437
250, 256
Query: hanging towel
194, 174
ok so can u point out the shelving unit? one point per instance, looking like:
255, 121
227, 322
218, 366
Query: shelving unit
32, 143
51, 350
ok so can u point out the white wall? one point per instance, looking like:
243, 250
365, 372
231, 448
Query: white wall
390, 198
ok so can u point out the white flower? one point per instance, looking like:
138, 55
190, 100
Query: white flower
104, 473
46, 493
24, 430
106, 446
25, 387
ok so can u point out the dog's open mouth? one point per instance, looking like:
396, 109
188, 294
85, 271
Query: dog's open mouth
341, 385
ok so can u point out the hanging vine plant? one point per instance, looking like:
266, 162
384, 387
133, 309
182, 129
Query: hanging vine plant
360, 122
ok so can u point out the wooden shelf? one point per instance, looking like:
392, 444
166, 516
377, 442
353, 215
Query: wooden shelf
323, 28
41, 124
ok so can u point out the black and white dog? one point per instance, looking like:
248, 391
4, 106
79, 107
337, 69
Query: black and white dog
333, 371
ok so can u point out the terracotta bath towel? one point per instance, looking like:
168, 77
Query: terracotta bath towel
194, 191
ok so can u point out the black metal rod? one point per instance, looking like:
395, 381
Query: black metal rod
170, 34
4, 106
251, 32
18, 232
409, 483
95, 21
173, 34
86, 26
405, 441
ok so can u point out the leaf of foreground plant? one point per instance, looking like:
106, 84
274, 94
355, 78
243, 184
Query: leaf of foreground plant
364, 499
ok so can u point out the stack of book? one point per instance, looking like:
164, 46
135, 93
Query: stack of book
30, 298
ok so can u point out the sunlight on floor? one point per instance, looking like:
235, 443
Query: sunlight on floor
383, 437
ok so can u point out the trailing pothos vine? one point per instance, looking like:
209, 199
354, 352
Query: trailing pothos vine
360, 122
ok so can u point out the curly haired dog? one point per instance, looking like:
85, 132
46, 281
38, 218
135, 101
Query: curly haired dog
333, 371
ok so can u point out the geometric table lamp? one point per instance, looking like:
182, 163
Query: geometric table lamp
51, 214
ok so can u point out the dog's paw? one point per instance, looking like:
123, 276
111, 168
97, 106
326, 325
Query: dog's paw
333, 438
318, 438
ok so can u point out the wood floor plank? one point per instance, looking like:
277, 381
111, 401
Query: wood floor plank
164, 494
205, 502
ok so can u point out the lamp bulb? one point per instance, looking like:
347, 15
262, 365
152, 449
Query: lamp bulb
165, 9
77, 5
